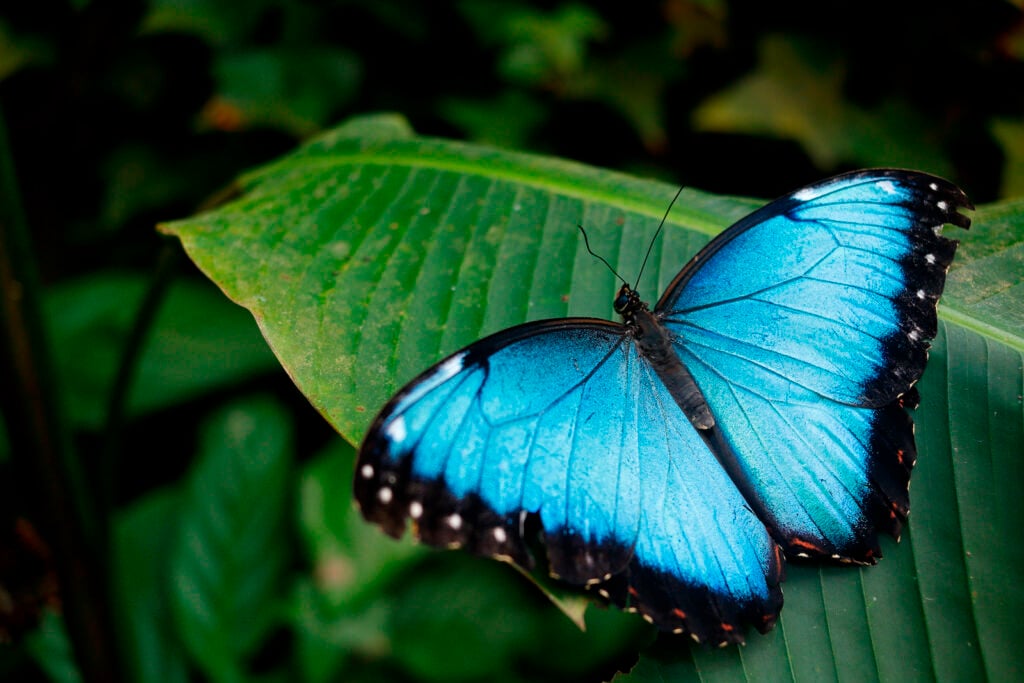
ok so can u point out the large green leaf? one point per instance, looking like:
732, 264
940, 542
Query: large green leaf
153, 653
370, 253
228, 560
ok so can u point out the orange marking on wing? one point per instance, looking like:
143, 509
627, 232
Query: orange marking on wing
679, 613
800, 543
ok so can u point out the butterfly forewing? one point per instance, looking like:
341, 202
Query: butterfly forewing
803, 325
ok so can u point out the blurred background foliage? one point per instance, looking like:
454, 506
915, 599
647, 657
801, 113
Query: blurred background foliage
122, 114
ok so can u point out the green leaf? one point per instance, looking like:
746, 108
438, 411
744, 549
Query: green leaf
797, 93
1010, 135
199, 343
335, 247
50, 648
986, 284
467, 618
349, 557
371, 253
327, 640
141, 574
539, 48
232, 548
343, 610
290, 88
507, 120
18, 51
216, 21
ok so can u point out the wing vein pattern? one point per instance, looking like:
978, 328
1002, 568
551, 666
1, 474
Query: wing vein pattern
793, 341
826, 343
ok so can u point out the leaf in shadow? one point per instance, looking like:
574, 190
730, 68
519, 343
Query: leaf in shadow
231, 550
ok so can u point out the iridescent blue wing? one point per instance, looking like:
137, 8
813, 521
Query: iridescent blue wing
806, 324
562, 423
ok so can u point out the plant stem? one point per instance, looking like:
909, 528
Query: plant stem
163, 276
41, 443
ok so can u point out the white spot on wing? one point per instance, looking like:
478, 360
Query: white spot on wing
934, 186
930, 258
887, 186
452, 366
454, 521
440, 374
499, 534
366, 471
920, 294
809, 193
942, 205
385, 495
415, 509
396, 430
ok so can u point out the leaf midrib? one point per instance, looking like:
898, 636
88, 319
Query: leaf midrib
696, 220
960, 318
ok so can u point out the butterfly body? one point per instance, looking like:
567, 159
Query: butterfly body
654, 343
670, 460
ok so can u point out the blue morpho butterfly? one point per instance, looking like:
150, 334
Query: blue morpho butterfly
669, 461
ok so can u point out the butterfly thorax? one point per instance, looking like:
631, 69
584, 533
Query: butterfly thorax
654, 343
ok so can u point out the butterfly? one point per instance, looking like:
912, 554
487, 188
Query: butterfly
673, 461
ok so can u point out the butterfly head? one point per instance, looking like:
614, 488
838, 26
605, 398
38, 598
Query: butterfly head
627, 301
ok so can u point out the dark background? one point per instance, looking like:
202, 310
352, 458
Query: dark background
123, 114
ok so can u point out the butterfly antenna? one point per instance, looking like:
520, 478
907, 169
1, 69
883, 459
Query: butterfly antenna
657, 232
600, 258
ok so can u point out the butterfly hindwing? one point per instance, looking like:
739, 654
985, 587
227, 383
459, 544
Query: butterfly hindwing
805, 325
562, 422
